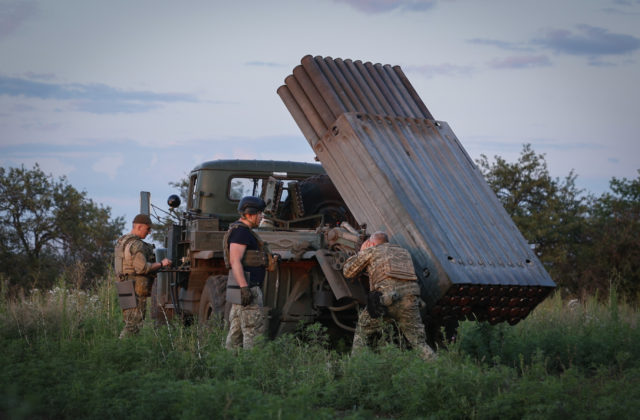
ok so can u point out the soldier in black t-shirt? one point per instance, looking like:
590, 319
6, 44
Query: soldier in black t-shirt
246, 256
243, 236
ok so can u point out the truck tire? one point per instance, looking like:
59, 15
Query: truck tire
320, 196
213, 301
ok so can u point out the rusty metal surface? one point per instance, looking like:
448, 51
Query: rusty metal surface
411, 178
401, 171
321, 89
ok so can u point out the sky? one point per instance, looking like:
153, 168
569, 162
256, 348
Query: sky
124, 96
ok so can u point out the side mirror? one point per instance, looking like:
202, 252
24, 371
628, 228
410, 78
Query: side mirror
173, 201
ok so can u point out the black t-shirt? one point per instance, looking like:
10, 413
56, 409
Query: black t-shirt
243, 236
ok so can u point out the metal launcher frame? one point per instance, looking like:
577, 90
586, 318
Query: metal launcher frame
401, 171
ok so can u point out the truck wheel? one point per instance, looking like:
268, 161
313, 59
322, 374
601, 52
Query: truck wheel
213, 300
317, 192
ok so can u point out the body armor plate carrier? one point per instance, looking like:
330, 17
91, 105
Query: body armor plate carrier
252, 258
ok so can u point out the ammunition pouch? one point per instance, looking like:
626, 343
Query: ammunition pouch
273, 262
126, 294
254, 258
387, 299
143, 285
394, 290
374, 305
233, 289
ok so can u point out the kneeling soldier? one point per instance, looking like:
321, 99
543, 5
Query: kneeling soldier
393, 293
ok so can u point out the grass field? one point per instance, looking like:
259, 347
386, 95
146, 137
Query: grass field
61, 359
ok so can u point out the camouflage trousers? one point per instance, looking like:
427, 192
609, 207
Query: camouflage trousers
133, 317
404, 311
246, 322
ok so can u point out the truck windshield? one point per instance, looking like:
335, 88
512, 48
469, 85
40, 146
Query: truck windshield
241, 187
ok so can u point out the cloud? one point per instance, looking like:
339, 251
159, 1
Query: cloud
589, 41
13, 14
40, 76
615, 11
93, 98
382, 6
625, 4
444, 69
116, 106
263, 64
520, 62
109, 165
49, 165
504, 45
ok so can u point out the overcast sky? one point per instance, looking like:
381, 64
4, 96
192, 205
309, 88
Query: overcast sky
129, 95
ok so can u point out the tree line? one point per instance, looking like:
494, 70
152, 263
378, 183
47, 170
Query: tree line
587, 243
49, 231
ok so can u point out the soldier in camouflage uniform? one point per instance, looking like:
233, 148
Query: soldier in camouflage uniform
393, 292
247, 257
135, 260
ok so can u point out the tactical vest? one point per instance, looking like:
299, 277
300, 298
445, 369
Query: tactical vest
123, 258
118, 263
251, 258
394, 263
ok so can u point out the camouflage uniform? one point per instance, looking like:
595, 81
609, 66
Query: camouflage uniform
246, 322
390, 272
136, 265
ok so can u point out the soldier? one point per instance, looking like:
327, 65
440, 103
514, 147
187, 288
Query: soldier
136, 268
248, 258
393, 293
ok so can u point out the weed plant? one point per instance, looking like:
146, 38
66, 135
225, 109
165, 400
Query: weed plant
61, 358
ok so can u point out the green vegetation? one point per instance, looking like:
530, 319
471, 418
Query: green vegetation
61, 359
586, 243
569, 359
49, 230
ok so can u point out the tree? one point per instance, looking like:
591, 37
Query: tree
48, 228
613, 255
550, 213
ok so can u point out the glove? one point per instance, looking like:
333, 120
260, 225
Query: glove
245, 296
374, 306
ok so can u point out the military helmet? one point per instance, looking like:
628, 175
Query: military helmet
142, 219
251, 205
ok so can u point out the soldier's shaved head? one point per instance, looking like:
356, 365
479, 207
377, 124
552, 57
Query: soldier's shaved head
379, 237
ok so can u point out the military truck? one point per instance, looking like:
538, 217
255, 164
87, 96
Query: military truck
306, 223
387, 164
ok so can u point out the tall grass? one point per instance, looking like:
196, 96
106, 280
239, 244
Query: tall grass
584, 335
61, 358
